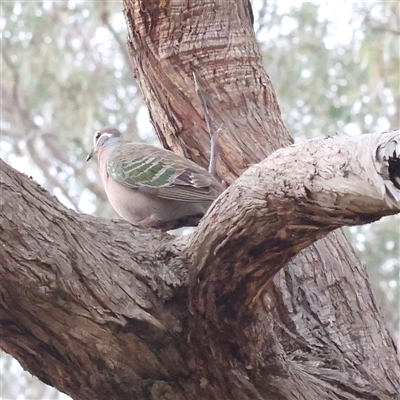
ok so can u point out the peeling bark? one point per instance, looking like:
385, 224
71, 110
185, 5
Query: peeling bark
103, 309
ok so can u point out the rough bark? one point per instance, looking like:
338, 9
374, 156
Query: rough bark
113, 299
170, 41
297, 195
310, 299
102, 309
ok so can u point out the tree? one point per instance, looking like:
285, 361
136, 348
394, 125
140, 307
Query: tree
145, 314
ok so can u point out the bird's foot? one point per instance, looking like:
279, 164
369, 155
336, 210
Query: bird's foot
164, 226
155, 223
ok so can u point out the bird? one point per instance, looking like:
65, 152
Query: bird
150, 186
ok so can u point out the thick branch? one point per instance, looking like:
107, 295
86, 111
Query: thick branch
280, 206
78, 293
311, 303
96, 310
107, 281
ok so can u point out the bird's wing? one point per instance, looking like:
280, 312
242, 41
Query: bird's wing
161, 173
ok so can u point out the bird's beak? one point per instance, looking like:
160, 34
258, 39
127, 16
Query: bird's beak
91, 154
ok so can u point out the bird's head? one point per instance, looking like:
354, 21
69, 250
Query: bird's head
105, 137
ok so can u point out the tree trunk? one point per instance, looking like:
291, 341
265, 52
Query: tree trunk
103, 309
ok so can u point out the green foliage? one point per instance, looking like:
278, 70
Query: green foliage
378, 246
335, 67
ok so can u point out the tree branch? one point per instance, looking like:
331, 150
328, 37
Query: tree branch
81, 291
109, 280
100, 308
280, 206
319, 310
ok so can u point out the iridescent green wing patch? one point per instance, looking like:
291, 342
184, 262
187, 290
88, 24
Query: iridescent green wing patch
142, 171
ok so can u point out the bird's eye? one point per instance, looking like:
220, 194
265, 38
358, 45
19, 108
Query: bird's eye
97, 136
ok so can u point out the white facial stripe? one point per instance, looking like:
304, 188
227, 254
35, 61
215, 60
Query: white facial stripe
103, 137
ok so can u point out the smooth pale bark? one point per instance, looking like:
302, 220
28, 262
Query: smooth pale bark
102, 309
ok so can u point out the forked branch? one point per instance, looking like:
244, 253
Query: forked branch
283, 204
118, 281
